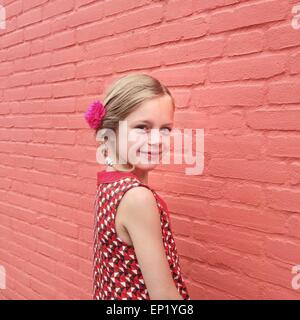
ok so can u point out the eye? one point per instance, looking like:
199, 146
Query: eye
166, 130
141, 127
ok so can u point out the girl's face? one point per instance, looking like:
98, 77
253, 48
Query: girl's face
148, 130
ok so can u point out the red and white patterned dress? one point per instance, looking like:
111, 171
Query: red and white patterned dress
117, 274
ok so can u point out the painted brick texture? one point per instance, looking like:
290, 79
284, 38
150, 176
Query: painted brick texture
233, 67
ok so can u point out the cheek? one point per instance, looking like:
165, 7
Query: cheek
133, 145
136, 141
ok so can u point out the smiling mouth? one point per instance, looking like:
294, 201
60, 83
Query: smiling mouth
151, 153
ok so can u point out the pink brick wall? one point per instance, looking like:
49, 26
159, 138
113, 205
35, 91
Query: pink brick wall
234, 69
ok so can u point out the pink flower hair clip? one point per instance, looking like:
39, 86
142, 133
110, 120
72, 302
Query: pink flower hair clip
95, 114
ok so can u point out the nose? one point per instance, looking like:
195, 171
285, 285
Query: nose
154, 137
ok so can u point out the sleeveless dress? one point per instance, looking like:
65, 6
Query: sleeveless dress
117, 274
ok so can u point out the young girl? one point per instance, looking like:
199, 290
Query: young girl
135, 256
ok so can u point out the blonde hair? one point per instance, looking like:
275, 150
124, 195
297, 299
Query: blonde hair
126, 94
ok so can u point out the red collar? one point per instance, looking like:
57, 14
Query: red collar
111, 176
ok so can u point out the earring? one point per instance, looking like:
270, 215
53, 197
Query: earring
108, 160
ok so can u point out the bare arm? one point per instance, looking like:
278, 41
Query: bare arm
141, 218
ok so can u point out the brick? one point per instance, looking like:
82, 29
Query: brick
281, 198
247, 146
62, 227
194, 186
175, 11
63, 197
19, 79
18, 51
13, 9
41, 91
12, 38
283, 146
229, 95
69, 167
112, 46
42, 261
146, 16
295, 173
87, 14
60, 24
30, 17
249, 15
257, 170
267, 271
193, 51
274, 292
138, 61
96, 30
188, 119
283, 250
37, 62
60, 40
242, 286
196, 208
42, 289
228, 236
57, 7
21, 135
244, 193
294, 63
188, 29
46, 165
68, 88
37, 31
284, 92
239, 69
281, 37
81, 3
294, 226
65, 72
244, 43
14, 94
181, 76
67, 55
61, 137
265, 221
181, 227
34, 107
64, 105
204, 5
273, 119
32, 4
6, 68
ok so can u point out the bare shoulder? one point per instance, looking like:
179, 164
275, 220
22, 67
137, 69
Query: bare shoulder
137, 203
139, 196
